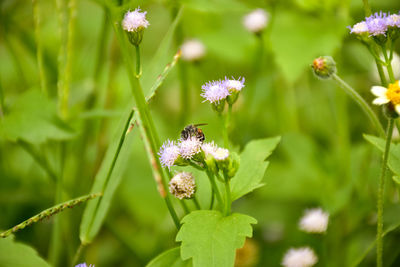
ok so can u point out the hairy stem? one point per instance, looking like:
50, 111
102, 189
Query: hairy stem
227, 197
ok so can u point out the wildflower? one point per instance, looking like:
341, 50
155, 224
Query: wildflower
376, 24
314, 221
193, 50
221, 154
234, 85
189, 147
182, 185
84, 265
256, 21
214, 91
300, 257
359, 28
393, 20
134, 23
208, 148
169, 153
386, 95
324, 67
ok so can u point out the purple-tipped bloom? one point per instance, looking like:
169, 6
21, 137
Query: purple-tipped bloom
233, 84
169, 153
377, 24
189, 147
214, 91
84, 265
393, 20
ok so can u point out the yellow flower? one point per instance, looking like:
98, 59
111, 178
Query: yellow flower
385, 95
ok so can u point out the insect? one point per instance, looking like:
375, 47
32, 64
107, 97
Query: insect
192, 131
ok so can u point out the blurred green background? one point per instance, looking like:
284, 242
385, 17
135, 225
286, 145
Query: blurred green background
322, 161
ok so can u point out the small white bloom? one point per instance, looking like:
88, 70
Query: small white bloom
208, 148
134, 20
300, 257
359, 28
189, 147
234, 85
182, 185
380, 93
314, 221
221, 154
256, 21
169, 153
193, 50
214, 91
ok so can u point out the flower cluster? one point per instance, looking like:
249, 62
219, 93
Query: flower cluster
377, 24
216, 92
314, 221
300, 257
182, 185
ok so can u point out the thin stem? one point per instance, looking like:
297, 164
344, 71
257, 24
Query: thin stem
367, 8
227, 124
361, 102
381, 190
184, 206
224, 130
39, 52
214, 187
228, 197
78, 254
138, 65
196, 203
212, 198
388, 64
381, 73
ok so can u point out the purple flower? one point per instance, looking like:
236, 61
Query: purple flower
214, 91
84, 265
233, 84
377, 24
189, 147
393, 20
169, 153
134, 20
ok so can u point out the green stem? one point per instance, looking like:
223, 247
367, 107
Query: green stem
361, 102
212, 198
184, 206
215, 187
78, 254
228, 197
381, 73
39, 51
224, 129
388, 64
367, 8
138, 65
227, 124
381, 189
196, 203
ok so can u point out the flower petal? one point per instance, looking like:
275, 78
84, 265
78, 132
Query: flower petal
397, 108
379, 91
380, 100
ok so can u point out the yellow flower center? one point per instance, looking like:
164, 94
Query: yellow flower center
393, 93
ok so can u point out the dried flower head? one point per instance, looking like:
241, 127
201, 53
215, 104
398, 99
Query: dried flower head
169, 153
385, 95
300, 257
314, 221
256, 21
135, 21
189, 147
182, 185
359, 28
193, 50
233, 84
377, 24
214, 91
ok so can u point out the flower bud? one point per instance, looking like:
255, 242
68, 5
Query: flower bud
134, 23
182, 185
232, 165
324, 67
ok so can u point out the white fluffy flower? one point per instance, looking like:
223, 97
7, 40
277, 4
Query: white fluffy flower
214, 91
359, 28
314, 221
216, 152
182, 185
256, 21
233, 84
189, 147
169, 153
134, 21
300, 257
193, 50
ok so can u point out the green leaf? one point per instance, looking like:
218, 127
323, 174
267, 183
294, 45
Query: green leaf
215, 6
211, 239
396, 179
297, 38
394, 154
19, 255
171, 258
107, 180
33, 118
252, 166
